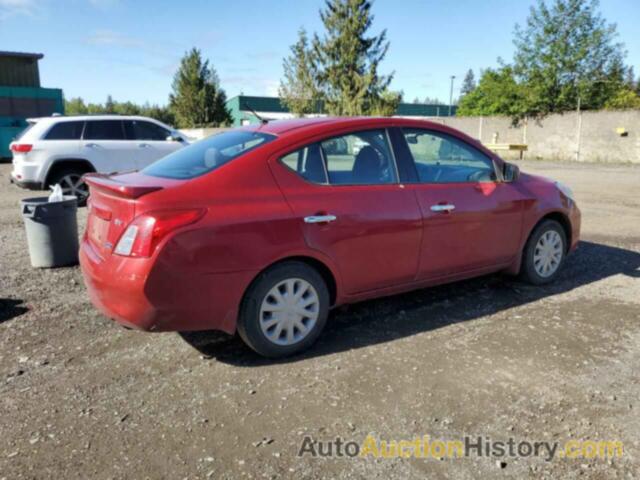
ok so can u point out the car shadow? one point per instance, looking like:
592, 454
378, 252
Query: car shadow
398, 316
10, 308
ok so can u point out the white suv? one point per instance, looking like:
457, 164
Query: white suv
61, 149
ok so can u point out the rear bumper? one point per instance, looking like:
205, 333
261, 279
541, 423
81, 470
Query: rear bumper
27, 184
153, 295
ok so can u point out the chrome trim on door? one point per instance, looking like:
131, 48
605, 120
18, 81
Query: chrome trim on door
442, 208
320, 218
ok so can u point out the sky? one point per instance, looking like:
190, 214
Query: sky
130, 49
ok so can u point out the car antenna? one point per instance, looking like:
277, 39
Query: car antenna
263, 121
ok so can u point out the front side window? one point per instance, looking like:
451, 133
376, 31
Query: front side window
141, 130
104, 130
65, 131
440, 158
207, 155
359, 158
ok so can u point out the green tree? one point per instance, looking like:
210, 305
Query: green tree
347, 60
497, 93
197, 99
564, 52
468, 84
299, 90
385, 104
109, 106
624, 99
75, 106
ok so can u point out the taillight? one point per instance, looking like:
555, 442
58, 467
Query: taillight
21, 147
145, 232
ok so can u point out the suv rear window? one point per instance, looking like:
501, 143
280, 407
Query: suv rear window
104, 130
65, 131
207, 155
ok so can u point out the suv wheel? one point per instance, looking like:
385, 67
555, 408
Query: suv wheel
71, 182
544, 253
284, 310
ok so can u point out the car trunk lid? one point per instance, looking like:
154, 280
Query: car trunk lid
113, 203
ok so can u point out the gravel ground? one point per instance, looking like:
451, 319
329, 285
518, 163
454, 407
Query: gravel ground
81, 397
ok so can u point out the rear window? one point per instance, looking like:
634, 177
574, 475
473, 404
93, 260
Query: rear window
65, 131
207, 155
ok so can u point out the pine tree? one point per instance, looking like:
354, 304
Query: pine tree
109, 106
468, 84
197, 99
566, 51
348, 60
299, 90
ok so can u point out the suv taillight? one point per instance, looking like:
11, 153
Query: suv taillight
145, 232
21, 147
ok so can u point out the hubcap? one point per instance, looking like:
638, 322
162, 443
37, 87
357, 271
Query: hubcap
548, 253
289, 311
72, 184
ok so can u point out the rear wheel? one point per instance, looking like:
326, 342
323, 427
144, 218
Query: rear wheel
284, 310
71, 182
544, 253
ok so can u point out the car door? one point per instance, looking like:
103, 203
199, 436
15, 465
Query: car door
104, 144
351, 207
152, 142
472, 220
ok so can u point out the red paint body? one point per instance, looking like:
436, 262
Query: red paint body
386, 239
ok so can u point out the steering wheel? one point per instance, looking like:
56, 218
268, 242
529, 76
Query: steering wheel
477, 176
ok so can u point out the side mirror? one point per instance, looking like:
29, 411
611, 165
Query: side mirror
174, 138
510, 172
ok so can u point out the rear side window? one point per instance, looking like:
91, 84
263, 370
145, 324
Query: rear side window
65, 131
360, 158
104, 130
207, 155
307, 162
141, 130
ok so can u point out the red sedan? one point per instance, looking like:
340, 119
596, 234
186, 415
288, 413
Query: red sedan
264, 229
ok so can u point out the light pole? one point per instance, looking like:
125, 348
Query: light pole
453, 77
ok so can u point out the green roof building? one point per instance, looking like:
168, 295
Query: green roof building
242, 108
21, 95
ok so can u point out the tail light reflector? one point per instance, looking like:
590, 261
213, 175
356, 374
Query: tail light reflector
21, 147
145, 232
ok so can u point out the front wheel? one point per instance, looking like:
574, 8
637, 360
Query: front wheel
284, 310
544, 253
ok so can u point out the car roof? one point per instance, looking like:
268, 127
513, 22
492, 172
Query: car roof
300, 125
72, 118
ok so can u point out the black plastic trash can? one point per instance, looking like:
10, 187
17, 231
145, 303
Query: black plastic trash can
52, 231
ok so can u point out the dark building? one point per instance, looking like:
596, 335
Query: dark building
21, 95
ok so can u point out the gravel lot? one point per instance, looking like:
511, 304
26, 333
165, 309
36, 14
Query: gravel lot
81, 397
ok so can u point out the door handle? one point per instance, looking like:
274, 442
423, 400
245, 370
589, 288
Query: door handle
442, 207
144, 145
92, 145
320, 218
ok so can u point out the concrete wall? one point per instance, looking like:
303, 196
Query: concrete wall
590, 137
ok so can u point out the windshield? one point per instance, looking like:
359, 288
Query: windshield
207, 155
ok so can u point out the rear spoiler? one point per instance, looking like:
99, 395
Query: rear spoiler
107, 184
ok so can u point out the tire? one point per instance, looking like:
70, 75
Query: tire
71, 183
266, 319
547, 245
